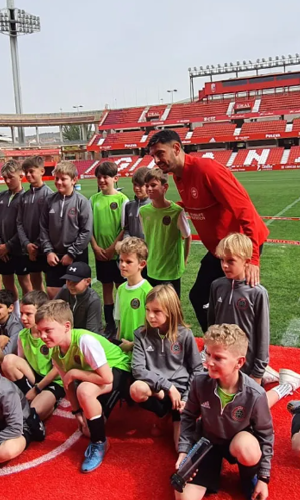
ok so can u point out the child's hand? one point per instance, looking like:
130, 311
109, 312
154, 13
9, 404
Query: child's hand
31, 394
52, 259
3, 341
32, 250
182, 406
261, 491
175, 397
3, 250
110, 252
69, 378
66, 260
181, 457
100, 253
126, 345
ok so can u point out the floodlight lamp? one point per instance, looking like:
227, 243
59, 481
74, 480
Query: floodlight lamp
250, 62
244, 62
201, 68
219, 66
231, 65
195, 68
207, 67
238, 63
263, 59
283, 57
290, 57
257, 60
297, 55
226, 65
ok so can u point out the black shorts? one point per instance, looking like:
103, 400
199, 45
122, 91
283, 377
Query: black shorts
175, 283
54, 273
37, 266
209, 471
56, 389
161, 407
16, 265
109, 272
120, 390
295, 424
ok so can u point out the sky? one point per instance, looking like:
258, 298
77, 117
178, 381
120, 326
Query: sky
125, 53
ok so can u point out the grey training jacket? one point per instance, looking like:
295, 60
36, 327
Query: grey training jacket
235, 302
86, 309
11, 329
132, 223
9, 205
30, 210
161, 363
248, 409
14, 410
66, 224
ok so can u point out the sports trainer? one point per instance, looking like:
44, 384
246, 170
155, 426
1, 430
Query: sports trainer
217, 204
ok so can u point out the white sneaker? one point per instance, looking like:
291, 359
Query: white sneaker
289, 377
270, 376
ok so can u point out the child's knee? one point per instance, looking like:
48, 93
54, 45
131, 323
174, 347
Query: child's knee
245, 448
139, 391
8, 362
84, 392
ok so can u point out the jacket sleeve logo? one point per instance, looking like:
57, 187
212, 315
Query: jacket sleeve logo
242, 303
166, 220
113, 205
135, 303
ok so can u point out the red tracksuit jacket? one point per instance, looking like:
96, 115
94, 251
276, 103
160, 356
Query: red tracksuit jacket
218, 204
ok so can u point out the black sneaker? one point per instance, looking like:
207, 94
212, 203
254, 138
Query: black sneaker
293, 407
36, 426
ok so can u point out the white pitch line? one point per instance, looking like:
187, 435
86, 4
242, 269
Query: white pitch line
4, 471
291, 336
283, 211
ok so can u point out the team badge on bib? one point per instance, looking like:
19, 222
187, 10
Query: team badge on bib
113, 205
77, 359
44, 350
242, 304
166, 220
176, 348
238, 413
135, 303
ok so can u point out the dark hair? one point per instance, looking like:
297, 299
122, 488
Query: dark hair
139, 176
7, 298
35, 298
33, 162
157, 174
164, 136
107, 168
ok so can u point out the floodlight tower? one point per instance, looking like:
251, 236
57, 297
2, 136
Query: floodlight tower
15, 22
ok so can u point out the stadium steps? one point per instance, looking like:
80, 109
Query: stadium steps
230, 108
166, 112
142, 118
231, 160
91, 167
285, 156
256, 106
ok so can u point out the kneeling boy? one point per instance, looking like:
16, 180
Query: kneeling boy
235, 417
94, 373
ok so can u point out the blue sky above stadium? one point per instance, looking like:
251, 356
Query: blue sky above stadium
126, 53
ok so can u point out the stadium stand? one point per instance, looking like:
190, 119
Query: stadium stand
288, 101
256, 127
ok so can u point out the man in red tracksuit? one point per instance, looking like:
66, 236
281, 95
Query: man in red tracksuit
218, 205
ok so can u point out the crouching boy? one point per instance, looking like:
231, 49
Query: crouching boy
94, 372
235, 417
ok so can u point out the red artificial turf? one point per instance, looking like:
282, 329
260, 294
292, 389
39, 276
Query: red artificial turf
137, 466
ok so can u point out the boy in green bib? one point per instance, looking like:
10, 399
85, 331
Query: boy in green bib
107, 207
165, 226
94, 373
32, 370
131, 296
